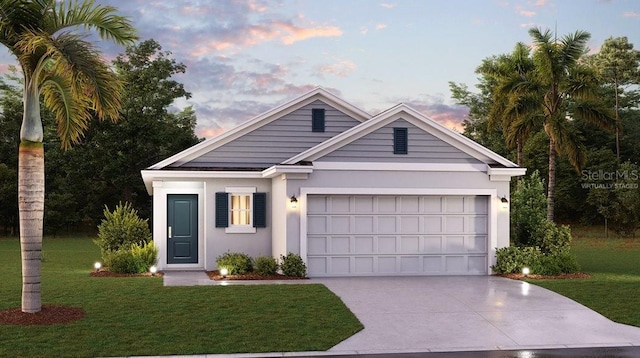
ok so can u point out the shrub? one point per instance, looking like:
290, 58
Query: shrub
121, 228
552, 239
266, 265
512, 259
529, 210
292, 265
133, 259
236, 262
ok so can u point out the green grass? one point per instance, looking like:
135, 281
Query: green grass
614, 263
138, 316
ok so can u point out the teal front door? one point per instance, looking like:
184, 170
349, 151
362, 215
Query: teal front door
182, 229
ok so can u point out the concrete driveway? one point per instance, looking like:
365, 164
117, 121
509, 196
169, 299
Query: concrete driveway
423, 314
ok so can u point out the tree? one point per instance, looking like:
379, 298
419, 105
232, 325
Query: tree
561, 90
512, 109
619, 66
75, 83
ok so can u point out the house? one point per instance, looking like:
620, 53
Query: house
351, 193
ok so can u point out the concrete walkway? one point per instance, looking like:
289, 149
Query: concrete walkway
459, 313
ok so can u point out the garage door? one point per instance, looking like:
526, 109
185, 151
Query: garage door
360, 235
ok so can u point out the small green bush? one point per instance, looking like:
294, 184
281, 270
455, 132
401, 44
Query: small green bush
236, 262
552, 239
121, 228
512, 259
292, 265
266, 265
133, 259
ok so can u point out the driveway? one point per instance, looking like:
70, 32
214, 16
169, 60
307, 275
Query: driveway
422, 314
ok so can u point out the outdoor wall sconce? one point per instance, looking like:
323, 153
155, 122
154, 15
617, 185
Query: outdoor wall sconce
504, 202
294, 202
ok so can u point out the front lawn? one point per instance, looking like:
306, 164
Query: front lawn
614, 289
138, 316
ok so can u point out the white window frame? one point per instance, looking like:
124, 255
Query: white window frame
240, 229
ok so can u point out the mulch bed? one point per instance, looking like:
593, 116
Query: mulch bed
564, 276
50, 314
107, 273
215, 275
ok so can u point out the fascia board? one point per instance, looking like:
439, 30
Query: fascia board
318, 93
149, 176
276, 170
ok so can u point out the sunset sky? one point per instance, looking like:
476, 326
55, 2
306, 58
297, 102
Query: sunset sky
245, 57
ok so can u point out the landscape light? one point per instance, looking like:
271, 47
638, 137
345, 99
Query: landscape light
224, 272
526, 271
153, 269
97, 266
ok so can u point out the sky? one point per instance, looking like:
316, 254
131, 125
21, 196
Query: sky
244, 57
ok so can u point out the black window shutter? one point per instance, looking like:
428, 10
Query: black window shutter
259, 209
317, 120
400, 141
222, 209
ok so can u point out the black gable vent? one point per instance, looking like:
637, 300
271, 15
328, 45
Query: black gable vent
317, 120
400, 140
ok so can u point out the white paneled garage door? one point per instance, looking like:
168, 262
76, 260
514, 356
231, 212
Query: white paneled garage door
360, 235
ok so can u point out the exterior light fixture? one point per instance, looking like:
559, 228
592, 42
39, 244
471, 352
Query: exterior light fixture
294, 201
526, 271
505, 202
153, 270
224, 272
97, 266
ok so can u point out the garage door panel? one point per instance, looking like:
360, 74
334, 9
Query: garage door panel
317, 245
387, 245
364, 224
433, 224
396, 235
432, 244
409, 244
364, 245
317, 225
364, 265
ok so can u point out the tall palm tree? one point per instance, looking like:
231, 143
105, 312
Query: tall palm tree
515, 110
560, 89
75, 83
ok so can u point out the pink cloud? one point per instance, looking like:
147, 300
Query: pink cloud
381, 26
527, 13
295, 33
388, 5
632, 14
340, 69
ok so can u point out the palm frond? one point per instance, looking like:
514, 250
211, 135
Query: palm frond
87, 14
69, 108
593, 112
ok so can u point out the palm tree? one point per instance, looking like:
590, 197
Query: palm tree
515, 110
560, 89
75, 84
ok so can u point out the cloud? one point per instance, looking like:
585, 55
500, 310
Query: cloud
381, 26
631, 14
433, 106
388, 5
339, 69
526, 13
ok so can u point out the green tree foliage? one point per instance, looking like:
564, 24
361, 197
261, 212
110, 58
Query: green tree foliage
122, 228
529, 211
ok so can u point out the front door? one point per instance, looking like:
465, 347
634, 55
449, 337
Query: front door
182, 229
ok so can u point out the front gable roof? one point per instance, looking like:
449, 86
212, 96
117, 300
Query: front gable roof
404, 112
211, 144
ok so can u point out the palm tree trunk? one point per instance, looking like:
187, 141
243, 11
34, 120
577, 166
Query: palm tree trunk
31, 208
551, 189
31, 197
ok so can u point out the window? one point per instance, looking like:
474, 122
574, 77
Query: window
317, 120
241, 210
400, 141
